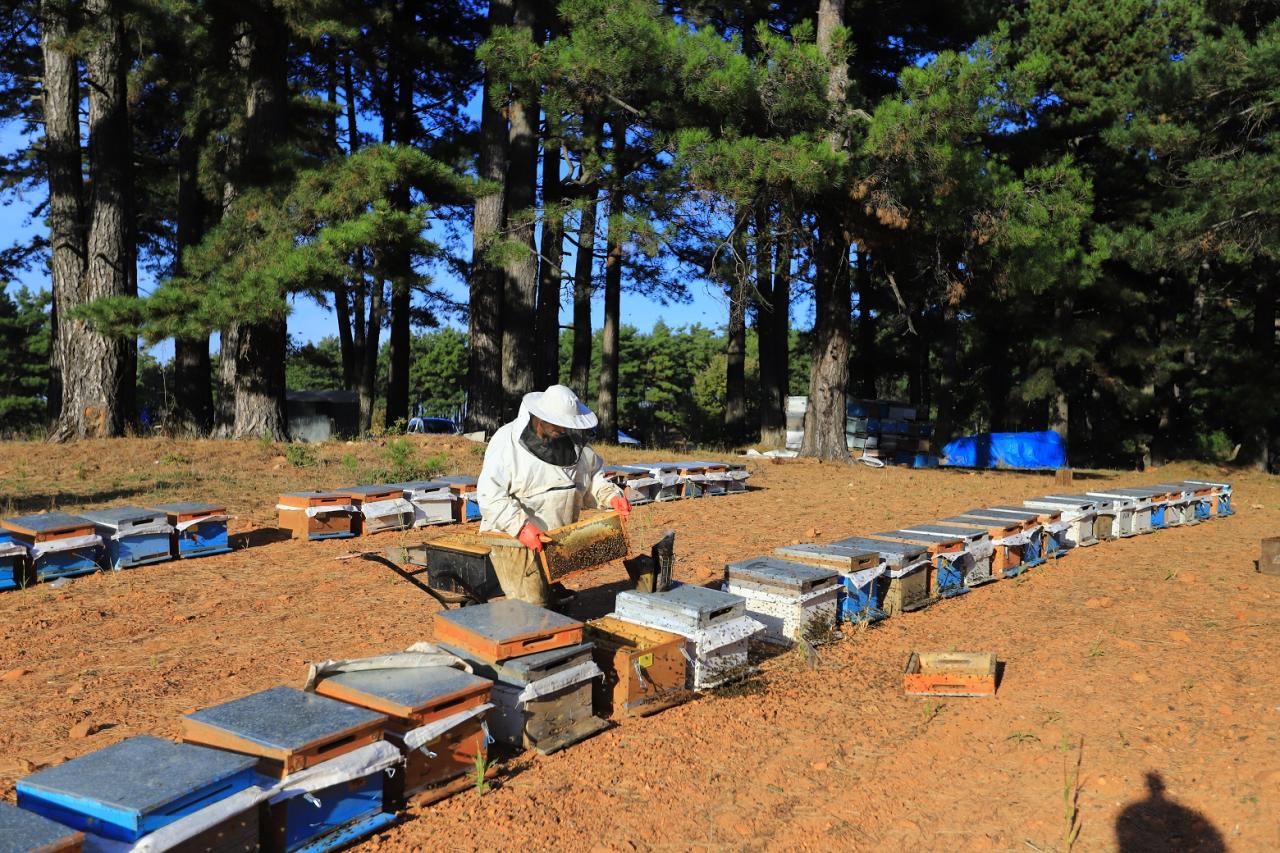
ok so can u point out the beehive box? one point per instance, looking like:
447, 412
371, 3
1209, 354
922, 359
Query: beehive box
1079, 518
288, 731
950, 674
128, 790
413, 698
638, 485
432, 501
541, 701
907, 588
199, 529
712, 477
842, 558
318, 515
1053, 529
644, 668
1222, 493
381, 507
458, 563
948, 559
22, 831
133, 536
683, 608
1180, 505
595, 538
1202, 497
13, 563
792, 600
1006, 541
1032, 532
1107, 514
505, 629
466, 504
58, 545
976, 564
861, 596
1132, 516
671, 485
1148, 509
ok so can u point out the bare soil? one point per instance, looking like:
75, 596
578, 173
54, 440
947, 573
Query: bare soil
1148, 663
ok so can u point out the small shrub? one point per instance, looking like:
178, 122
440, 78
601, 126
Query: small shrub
299, 456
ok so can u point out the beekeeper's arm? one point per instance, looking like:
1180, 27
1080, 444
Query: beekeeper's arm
499, 510
602, 491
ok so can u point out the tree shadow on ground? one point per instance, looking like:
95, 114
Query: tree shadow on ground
1158, 823
33, 503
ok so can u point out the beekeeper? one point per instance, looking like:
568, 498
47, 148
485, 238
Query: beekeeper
538, 474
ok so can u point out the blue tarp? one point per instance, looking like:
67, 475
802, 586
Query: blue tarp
1007, 450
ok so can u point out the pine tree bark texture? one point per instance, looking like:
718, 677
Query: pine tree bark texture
867, 322
824, 426
773, 331
484, 368
547, 323
583, 265
60, 99
192, 391
520, 271
607, 406
402, 266
735, 397
96, 365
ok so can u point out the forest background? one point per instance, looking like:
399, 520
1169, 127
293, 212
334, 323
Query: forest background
1046, 214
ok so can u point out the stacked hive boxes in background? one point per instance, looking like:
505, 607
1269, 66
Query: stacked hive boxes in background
381, 507
680, 479
435, 715
638, 485
22, 831
145, 787
796, 408
1202, 496
432, 501
328, 755
792, 600
863, 582
542, 671
948, 559
670, 484
907, 567
1079, 517
975, 565
466, 505
58, 545
133, 536
713, 623
643, 668
318, 515
1106, 514
199, 529
889, 431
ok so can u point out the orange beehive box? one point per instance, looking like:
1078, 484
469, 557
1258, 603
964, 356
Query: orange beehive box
318, 515
644, 668
950, 674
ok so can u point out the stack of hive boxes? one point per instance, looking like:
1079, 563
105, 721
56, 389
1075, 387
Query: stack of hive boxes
889, 431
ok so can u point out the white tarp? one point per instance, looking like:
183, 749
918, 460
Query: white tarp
313, 511
193, 522
423, 735
560, 680
391, 506
57, 546
416, 656
159, 527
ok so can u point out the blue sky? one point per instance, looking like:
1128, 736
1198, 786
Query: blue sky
310, 322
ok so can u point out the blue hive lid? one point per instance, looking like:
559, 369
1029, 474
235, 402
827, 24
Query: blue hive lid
22, 831
140, 775
284, 718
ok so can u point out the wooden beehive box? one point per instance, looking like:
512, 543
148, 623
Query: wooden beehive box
946, 559
1006, 558
595, 538
133, 536
505, 629
318, 515
466, 505
458, 563
133, 788
950, 674
199, 529
412, 697
842, 558
976, 563
644, 668
60, 545
908, 592
382, 507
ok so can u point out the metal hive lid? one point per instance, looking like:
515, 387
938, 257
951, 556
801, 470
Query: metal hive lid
317, 493
139, 775
1090, 499
1020, 510
526, 668
774, 572
412, 687
988, 520
507, 619
991, 512
458, 480
184, 507
116, 515
949, 537
937, 531
47, 522
375, 489
1113, 494
688, 597
285, 718
1141, 492
22, 831
898, 549
1063, 501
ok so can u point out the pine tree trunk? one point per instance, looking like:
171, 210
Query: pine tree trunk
60, 100
607, 408
866, 329
770, 408
520, 272
92, 391
346, 304
778, 329
949, 368
192, 389
402, 264
735, 397
1060, 411
584, 263
547, 323
366, 386
1258, 447
824, 421
484, 369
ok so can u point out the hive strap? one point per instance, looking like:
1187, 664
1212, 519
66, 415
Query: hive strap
313, 511
357, 764
559, 680
195, 522
909, 568
391, 506
418, 738
183, 829
159, 527
12, 549
865, 577
416, 656
71, 543
775, 598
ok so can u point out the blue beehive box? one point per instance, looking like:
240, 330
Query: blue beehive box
199, 529
22, 831
135, 787
58, 544
13, 562
287, 730
133, 536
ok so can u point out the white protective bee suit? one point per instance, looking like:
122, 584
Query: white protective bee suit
517, 488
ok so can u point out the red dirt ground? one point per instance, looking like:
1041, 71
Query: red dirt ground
1153, 655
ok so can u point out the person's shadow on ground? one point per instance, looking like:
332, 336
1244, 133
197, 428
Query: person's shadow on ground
1160, 824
